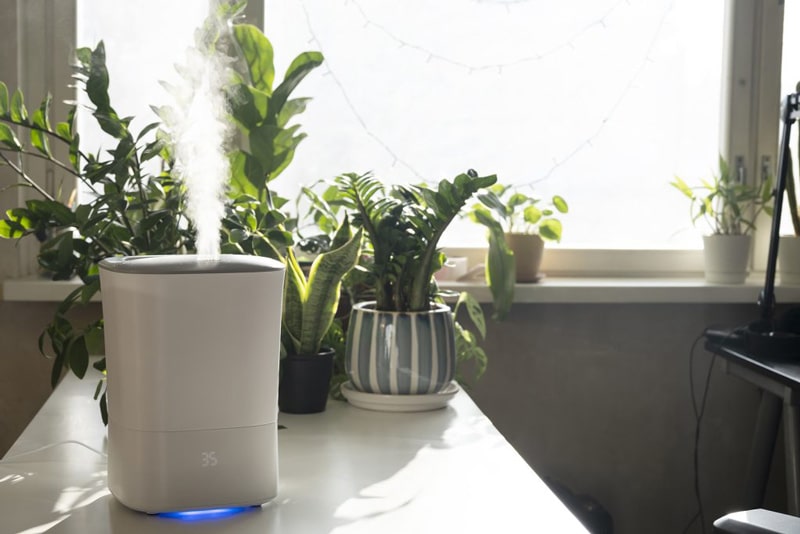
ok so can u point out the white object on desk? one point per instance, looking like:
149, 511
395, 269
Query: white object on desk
342, 471
192, 356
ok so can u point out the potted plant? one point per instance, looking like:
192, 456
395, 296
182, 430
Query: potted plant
137, 213
730, 209
254, 224
517, 225
133, 212
415, 336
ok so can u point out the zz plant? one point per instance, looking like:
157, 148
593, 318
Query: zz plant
130, 211
403, 227
133, 211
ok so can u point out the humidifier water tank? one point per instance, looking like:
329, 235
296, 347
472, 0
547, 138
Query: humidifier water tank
192, 354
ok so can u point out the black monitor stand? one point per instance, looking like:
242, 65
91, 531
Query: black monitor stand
770, 337
766, 299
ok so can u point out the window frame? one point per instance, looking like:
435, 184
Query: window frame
748, 126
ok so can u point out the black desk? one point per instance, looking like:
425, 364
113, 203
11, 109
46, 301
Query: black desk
779, 382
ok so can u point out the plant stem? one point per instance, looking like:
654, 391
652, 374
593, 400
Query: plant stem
419, 290
27, 178
137, 170
46, 158
54, 135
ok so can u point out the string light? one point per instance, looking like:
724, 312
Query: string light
569, 43
351, 106
430, 56
627, 89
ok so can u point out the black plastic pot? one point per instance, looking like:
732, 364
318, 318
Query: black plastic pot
304, 382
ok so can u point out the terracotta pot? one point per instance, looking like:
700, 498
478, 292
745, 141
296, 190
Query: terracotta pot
528, 250
726, 258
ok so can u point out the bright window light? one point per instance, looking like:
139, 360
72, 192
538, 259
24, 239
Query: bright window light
600, 101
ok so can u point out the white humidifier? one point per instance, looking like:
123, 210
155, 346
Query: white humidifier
192, 353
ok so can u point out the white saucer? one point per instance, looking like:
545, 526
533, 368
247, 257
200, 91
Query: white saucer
399, 403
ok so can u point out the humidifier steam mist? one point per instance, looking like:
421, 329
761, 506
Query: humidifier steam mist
200, 130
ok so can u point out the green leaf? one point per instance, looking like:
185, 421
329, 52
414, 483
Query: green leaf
41, 117
74, 154
110, 123
300, 67
95, 340
532, 214
58, 367
147, 129
104, 408
8, 138
258, 54
294, 295
39, 140
324, 287
681, 186
550, 229
10, 229
65, 249
19, 113
152, 150
89, 290
97, 83
63, 130
290, 109
500, 274
560, 204
247, 175
517, 199
78, 356
248, 105
98, 389
3, 100
474, 311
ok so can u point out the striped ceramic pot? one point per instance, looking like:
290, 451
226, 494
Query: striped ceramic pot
400, 353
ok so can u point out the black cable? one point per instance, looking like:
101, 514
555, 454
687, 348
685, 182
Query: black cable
698, 418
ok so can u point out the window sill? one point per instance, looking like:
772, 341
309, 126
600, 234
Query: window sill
618, 290
566, 290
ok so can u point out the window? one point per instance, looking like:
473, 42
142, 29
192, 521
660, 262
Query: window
141, 51
602, 102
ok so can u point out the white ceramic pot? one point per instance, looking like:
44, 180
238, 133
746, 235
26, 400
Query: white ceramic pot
726, 258
789, 260
400, 353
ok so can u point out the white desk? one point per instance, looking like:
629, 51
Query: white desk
346, 470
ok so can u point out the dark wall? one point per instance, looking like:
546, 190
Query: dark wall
24, 372
597, 397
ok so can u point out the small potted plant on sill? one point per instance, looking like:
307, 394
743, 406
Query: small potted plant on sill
730, 209
517, 225
421, 341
